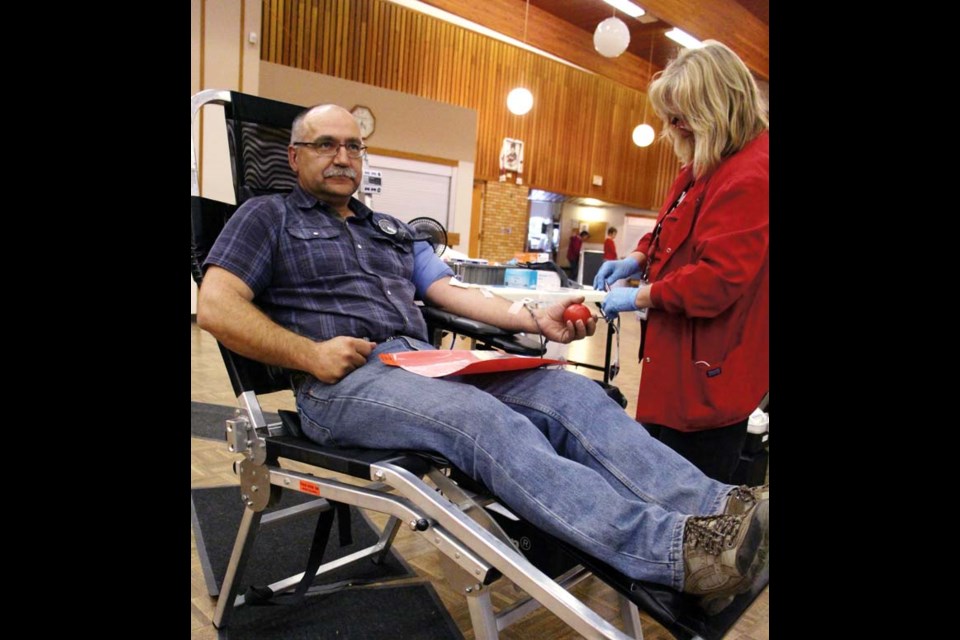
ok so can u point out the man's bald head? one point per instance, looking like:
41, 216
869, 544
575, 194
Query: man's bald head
322, 112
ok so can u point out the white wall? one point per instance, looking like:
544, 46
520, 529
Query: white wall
411, 189
634, 228
221, 57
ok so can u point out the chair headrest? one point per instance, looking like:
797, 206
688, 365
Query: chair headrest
258, 132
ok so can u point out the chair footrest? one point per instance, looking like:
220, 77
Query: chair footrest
678, 612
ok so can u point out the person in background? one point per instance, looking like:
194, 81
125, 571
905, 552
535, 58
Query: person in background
573, 252
609, 246
704, 267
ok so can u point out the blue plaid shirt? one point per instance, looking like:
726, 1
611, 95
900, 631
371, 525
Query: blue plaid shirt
321, 276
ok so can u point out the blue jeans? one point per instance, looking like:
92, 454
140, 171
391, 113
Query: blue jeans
549, 444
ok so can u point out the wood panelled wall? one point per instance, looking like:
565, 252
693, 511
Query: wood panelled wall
579, 127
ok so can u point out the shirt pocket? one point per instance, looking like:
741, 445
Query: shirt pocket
391, 256
317, 252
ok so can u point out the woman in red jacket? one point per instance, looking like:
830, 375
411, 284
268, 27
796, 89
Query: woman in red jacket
704, 267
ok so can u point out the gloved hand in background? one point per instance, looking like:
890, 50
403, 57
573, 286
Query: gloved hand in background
613, 270
619, 299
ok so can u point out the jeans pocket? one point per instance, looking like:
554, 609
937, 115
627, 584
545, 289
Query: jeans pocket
316, 431
401, 343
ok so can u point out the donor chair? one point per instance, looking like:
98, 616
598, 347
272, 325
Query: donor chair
417, 491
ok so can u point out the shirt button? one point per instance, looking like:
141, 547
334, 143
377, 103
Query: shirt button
316, 233
389, 293
668, 249
647, 359
359, 246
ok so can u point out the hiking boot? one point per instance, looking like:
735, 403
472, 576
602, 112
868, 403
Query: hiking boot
741, 500
744, 497
718, 554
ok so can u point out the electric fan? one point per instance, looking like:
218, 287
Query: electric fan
432, 231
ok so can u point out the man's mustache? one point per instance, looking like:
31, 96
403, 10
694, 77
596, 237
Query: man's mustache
334, 172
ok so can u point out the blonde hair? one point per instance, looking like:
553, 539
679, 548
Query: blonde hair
711, 90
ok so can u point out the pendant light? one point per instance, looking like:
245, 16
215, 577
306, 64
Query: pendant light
520, 100
644, 134
611, 37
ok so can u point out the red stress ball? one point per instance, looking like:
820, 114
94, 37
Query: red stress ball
576, 312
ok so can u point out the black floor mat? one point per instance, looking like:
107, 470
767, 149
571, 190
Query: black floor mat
410, 612
280, 551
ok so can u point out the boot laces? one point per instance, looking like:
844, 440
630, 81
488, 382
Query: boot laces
714, 534
744, 494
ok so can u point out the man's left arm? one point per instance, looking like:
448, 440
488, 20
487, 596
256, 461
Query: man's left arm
433, 281
472, 303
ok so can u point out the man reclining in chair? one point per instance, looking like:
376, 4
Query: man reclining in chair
315, 281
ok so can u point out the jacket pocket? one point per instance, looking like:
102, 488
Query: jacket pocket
712, 339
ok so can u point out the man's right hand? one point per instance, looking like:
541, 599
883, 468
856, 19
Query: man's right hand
613, 270
339, 356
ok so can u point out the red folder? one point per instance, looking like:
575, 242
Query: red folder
439, 363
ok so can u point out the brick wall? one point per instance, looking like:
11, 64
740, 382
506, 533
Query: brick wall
506, 212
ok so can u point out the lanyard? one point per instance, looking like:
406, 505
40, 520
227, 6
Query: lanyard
655, 239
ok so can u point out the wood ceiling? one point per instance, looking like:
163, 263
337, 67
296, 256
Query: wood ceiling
565, 29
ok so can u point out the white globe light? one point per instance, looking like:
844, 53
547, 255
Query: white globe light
611, 37
643, 135
519, 101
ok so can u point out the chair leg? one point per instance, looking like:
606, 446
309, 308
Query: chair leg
246, 536
386, 539
630, 615
482, 617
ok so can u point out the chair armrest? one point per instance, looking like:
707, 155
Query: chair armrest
485, 334
451, 322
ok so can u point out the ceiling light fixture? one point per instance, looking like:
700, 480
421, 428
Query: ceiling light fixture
611, 37
627, 7
683, 38
644, 134
520, 100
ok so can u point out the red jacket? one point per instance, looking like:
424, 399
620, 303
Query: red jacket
609, 249
706, 349
573, 249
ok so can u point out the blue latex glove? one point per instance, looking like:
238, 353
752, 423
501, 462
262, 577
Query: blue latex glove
613, 270
619, 299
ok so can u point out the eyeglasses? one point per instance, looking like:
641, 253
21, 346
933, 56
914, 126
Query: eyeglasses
330, 148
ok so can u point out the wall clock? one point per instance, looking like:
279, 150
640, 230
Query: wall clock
366, 120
